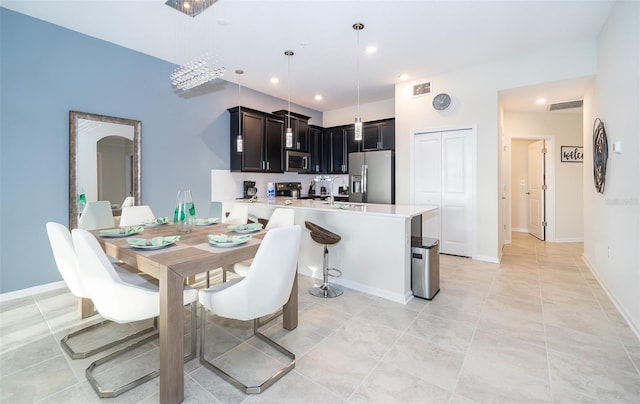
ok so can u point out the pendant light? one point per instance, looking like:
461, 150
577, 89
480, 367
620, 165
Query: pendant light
358, 122
289, 132
239, 145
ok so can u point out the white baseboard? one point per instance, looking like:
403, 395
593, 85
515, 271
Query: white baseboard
394, 297
636, 330
494, 260
568, 240
5, 297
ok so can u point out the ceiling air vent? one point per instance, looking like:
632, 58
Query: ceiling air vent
422, 89
565, 105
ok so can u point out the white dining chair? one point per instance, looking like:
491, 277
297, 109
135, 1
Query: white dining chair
121, 302
135, 215
67, 263
128, 201
215, 209
96, 215
281, 217
237, 215
264, 291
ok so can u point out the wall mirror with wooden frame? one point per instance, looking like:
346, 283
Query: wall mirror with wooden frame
104, 160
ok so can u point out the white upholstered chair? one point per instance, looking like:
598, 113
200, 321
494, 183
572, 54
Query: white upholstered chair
135, 215
67, 263
281, 217
264, 291
96, 215
128, 201
121, 302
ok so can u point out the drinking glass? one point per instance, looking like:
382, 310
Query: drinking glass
185, 213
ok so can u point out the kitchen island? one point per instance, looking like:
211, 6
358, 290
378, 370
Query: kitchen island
374, 254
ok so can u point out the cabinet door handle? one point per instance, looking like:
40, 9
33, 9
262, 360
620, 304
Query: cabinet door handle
267, 166
298, 146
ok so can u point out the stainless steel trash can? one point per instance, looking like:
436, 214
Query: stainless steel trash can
425, 267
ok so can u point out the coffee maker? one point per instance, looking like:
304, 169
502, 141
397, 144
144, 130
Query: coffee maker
250, 189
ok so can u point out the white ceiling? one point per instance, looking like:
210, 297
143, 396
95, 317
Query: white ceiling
418, 38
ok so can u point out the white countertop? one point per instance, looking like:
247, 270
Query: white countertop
405, 211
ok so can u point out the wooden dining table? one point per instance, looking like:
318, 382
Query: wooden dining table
172, 265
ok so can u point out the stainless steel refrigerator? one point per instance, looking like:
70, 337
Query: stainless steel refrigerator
372, 177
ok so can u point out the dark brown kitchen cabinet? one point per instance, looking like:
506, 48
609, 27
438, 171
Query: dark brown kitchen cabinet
335, 152
317, 164
300, 128
379, 135
262, 138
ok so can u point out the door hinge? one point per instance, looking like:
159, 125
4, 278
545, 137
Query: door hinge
544, 150
544, 187
544, 224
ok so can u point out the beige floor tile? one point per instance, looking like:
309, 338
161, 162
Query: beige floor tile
36, 382
443, 331
389, 384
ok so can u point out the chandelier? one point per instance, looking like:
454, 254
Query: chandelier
199, 71
202, 69
190, 7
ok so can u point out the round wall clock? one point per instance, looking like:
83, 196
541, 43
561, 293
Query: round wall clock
441, 101
600, 154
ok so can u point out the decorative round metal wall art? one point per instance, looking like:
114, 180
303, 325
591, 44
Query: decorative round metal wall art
600, 154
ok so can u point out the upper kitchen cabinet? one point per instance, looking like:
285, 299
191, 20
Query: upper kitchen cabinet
379, 135
317, 164
262, 136
335, 150
300, 128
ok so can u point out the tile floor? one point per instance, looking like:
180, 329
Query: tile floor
536, 328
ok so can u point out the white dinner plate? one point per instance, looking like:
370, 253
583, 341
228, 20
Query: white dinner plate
227, 243
154, 224
245, 231
209, 222
150, 247
121, 235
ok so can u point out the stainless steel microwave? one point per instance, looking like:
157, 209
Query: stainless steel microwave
297, 161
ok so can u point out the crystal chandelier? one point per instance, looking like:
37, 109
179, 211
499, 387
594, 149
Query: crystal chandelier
358, 122
190, 7
199, 71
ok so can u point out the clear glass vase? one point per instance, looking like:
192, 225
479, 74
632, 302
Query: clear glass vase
185, 214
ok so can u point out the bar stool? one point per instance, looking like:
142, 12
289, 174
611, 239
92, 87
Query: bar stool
323, 236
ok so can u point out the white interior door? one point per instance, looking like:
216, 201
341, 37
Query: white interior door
443, 175
428, 178
536, 189
457, 189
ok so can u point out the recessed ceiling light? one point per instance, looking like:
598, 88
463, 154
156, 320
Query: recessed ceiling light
371, 49
541, 100
318, 97
403, 76
274, 80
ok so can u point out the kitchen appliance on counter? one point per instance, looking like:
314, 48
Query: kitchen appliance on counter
249, 189
291, 189
372, 177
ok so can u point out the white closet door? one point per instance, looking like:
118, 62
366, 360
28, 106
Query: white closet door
443, 174
428, 178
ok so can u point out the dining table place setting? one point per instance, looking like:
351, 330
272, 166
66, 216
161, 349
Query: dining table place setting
156, 221
206, 221
245, 228
154, 243
121, 231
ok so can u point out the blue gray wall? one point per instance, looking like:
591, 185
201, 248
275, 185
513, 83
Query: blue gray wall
45, 72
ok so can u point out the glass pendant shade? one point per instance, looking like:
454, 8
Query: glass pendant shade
239, 145
358, 128
289, 137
